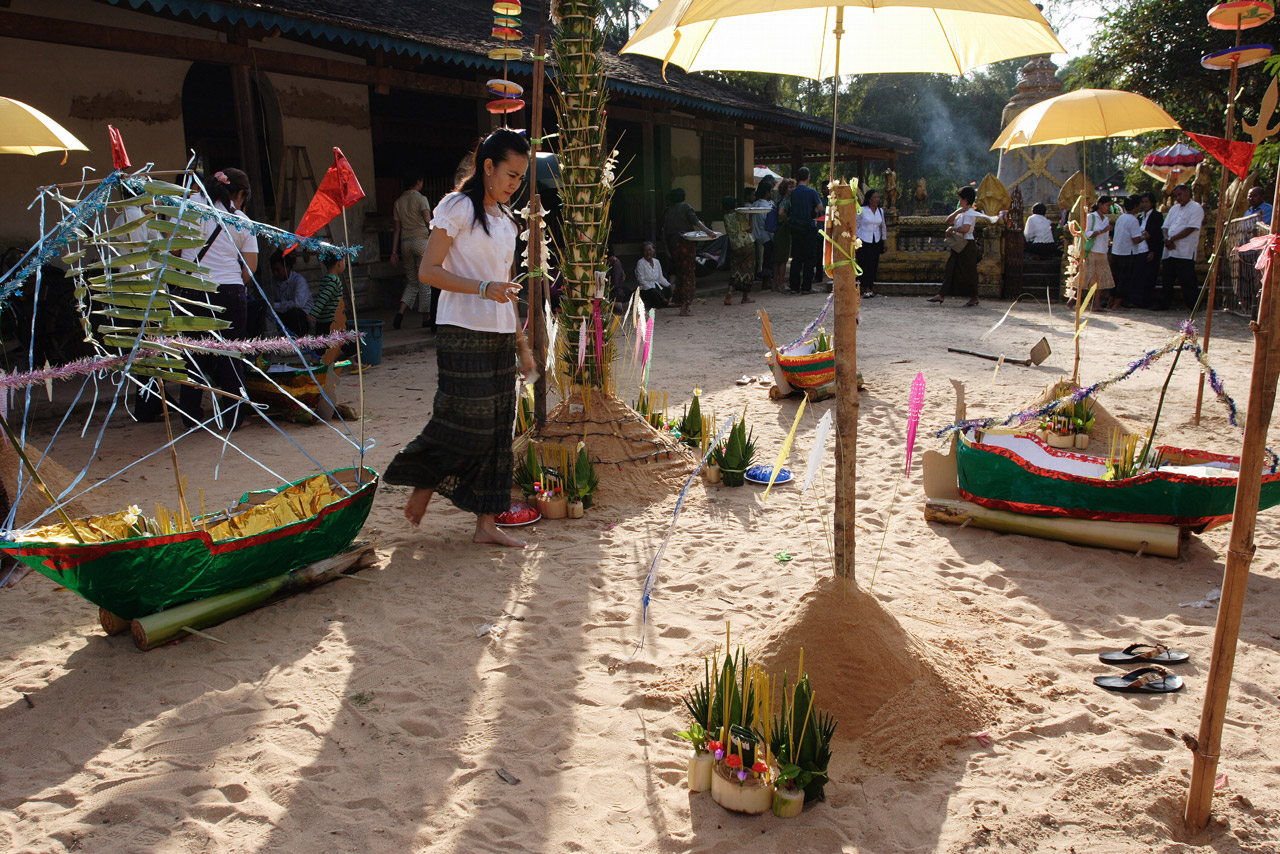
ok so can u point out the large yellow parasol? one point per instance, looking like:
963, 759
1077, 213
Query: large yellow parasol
26, 130
1084, 114
934, 36
938, 36
1075, 117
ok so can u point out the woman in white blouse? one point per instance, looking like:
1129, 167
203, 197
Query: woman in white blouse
655, 290
873, 234
464, 452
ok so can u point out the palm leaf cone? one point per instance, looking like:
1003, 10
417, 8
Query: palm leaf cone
615, 435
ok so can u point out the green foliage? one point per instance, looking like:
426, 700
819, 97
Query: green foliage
726, 690
584, 481
691, 423
801, 741
737, 453
528, 471
696, 735
1153, 47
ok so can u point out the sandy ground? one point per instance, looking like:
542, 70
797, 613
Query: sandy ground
368, 716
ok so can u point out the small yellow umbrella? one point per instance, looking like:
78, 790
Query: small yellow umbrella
1084, 114
1075, 117
26, 130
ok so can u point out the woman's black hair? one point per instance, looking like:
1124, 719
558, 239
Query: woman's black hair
497, 146
222, 191
676, 196
1130, 203
410, 177
765, 190
728, 203
968, 194
871, 191
1039, 208
1102, 200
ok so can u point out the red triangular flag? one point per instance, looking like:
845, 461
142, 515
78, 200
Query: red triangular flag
1236, 156
338, 191
119, 157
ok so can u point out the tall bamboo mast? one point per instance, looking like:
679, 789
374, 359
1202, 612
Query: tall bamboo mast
1216, 261
586, 189
539, 287
1262, 398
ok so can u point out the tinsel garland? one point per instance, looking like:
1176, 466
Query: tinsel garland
242, 347
75, 226
1185, 341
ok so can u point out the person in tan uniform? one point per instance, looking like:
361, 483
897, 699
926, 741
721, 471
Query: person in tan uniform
409, 240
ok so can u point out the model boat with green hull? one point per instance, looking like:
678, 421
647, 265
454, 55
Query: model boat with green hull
1195, 490
165, 563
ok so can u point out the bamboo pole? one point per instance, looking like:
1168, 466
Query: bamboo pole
1216, 260
157, 629
843, 220
539, 287
1262, 398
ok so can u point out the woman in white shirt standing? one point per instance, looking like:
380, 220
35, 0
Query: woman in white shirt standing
231, 254
961, 275
1126, 250
1095, 267
464, 452
873, 234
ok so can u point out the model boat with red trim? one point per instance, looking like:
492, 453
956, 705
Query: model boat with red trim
132, 566
1019, 473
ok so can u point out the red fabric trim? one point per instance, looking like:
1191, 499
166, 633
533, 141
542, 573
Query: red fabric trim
70, 556
1043, 510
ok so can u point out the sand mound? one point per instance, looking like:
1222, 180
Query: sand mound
32, 503
632, 459
897, 697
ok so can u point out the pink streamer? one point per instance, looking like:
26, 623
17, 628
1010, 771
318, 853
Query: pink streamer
599, 333
243, 347
913, 418
648, 341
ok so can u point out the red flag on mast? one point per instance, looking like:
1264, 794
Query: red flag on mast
119, 157
1236, 156
338, 191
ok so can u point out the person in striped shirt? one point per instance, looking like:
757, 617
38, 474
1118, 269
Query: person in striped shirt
328, 294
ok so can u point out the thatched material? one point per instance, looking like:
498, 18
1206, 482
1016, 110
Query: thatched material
631, 457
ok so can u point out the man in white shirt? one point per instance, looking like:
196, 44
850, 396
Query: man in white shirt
1127, 247
1181, 242
1038, 233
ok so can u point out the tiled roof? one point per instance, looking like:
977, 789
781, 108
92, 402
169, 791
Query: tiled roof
457, 32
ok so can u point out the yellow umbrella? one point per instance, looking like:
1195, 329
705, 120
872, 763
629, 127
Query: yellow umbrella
1084, 114
1076, 117
935, 36
26, 130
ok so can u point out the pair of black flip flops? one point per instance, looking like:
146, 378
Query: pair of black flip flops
1151, 679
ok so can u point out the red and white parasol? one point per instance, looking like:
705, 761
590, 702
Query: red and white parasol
1171, 160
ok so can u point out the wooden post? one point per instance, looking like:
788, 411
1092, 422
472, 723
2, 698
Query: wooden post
1262, 398
1216, 260
649, 182
539, 287
843, 220
246, 130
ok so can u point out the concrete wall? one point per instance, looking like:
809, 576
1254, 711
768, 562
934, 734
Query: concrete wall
686, 165
85, 90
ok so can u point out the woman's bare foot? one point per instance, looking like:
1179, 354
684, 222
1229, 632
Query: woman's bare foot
728, 298
684, 312
417, 505
746, 299
487, 531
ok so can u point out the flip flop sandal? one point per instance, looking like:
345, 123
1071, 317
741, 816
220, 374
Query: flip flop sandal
744, 380
1145, 680
1141, 653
